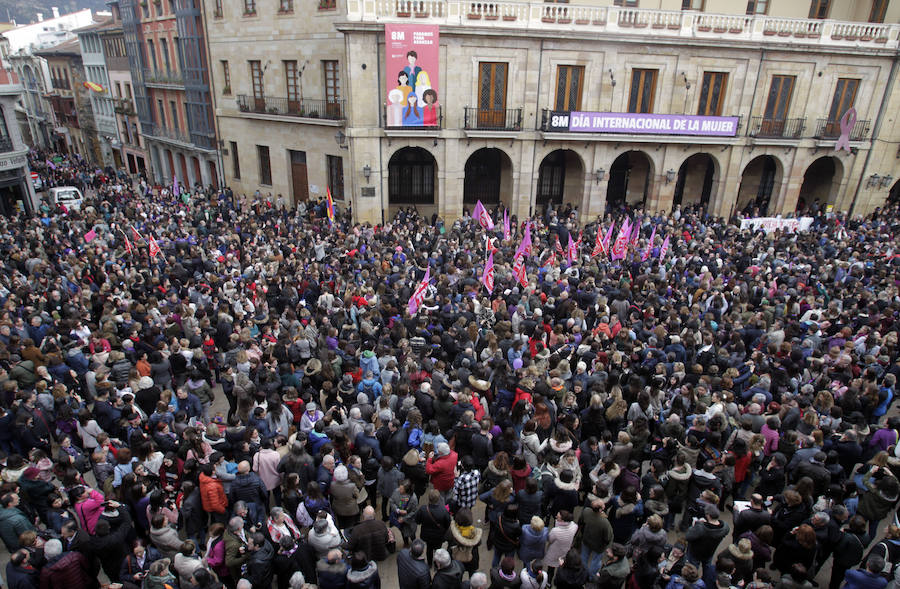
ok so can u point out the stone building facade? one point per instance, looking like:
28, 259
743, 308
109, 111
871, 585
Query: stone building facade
784, 73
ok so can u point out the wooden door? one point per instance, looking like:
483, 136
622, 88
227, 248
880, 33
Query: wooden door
492, 96
299, 180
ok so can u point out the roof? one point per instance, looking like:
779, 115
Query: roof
70, 47
103, 23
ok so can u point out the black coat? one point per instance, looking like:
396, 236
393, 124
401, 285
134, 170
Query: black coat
505, 534
434, 521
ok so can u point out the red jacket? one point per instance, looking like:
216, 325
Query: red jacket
212, 494
441, 470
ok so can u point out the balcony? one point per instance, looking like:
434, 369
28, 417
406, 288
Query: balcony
831, 129
332, 110
488, 119
166, 133
765, 128
6, 145
636, 22
163, 78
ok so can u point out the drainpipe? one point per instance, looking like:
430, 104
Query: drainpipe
381, 123
878, 119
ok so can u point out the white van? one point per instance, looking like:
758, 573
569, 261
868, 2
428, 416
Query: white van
69, 196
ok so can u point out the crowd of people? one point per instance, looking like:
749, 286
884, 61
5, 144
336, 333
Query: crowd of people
710, 414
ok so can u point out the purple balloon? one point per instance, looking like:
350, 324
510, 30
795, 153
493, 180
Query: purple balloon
517, 363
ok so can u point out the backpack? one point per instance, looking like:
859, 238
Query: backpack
461, 553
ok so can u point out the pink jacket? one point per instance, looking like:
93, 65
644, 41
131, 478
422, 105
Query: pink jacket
265, 464
771, 436
89, 511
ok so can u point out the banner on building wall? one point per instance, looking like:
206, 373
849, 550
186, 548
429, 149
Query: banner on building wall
770, 224
642, 123
412, 57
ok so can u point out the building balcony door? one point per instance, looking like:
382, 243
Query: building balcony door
299, 178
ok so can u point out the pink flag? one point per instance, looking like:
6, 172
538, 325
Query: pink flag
635, 233
664, 249
526, 240
481, 215
607, 238
519, 271
621, 244
571, 250
176, 189
418, 295
90, 235
487, 278
551, 260
506, 230
154, 248
649, 245
598, 243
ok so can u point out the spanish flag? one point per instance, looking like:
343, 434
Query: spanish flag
329, 206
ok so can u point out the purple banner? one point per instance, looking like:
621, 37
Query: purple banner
644, 124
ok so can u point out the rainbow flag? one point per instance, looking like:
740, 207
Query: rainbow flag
329, 206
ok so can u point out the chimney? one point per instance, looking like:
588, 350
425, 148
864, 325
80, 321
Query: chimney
55, 12
40, 16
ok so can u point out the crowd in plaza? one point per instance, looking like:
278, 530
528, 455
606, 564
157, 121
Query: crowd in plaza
715, 413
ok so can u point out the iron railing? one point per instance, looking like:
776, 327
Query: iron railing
167, 133
163, 77
776, 128
490, 119
308, 108
831, 129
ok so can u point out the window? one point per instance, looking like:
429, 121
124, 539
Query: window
492, 94
256, 77
235, 161
332, 81
249, 7
118, 90
630, 3
152, 53
692, 4
712, 93
643, 90
217, 11
226, 77
286, 6
569, 79
336, 175
757, 6
844, 98
290, 80
779, 101
174, 110
164, 49
879, 7
161, 111
265, 166
819, 8
127, 90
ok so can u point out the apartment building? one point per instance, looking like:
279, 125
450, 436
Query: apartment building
164, 41
106, 64
278, 74
736, 104
76, 130
16, 192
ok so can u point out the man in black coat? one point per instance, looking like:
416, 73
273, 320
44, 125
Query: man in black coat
109, 541
750, 519
260, 571
412, 570
448, 572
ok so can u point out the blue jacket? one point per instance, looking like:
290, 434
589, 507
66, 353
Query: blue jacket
860, 579
532, 545
22, 577
370, 385
190, 405
372, 442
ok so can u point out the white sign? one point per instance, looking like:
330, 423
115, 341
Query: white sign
770, 224
11, 162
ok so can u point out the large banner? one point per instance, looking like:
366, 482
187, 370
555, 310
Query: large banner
642, 123
411, 56
770, 224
